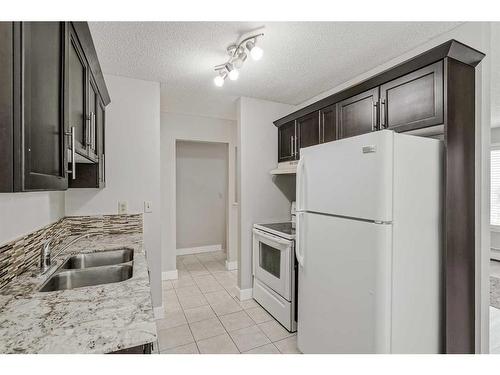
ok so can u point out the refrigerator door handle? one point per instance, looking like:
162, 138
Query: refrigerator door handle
298, 237
300, 184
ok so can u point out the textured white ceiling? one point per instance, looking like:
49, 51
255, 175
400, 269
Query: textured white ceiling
301, 59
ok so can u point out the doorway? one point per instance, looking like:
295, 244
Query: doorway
201, 204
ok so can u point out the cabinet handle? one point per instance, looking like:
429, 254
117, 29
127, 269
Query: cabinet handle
382, 114
94, 131
103, 168
374, 117
73, 161
88, 130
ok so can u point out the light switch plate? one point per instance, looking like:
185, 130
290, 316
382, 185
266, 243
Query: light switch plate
148, 206
122, 207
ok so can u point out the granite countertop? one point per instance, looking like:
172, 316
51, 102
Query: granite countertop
96, 319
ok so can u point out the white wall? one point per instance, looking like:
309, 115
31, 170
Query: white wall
201, 185
262, 196
476, 35
132, 165
22, 213
192, 128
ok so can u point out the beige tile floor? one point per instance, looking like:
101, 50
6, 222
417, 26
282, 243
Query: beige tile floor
202, 313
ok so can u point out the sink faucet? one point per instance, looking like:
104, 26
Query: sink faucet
45, 253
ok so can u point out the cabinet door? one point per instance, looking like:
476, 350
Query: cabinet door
414, 100
101, 123
308, 131
358, 114
92, 132
78, 94
328, 118
43, 46
286, 142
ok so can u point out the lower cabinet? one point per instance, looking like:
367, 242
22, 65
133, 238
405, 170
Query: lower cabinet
141, 349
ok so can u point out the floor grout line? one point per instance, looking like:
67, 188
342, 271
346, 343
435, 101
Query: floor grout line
187, 322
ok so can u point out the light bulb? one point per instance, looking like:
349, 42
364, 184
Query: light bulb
219, 81
255, 52
233, 74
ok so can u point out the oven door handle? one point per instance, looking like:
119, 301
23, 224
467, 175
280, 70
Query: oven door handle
270, 237
298, 236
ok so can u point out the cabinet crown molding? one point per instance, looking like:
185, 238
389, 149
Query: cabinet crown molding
450, 49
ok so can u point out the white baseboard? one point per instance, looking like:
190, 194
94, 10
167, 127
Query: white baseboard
159, 312
245, 294
200, 249
170, 275
232, 265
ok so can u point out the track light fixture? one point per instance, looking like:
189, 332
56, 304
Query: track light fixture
238, 54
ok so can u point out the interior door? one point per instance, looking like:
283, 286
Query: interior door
358, 114
413, 101
43, 45
344, 285
308, 131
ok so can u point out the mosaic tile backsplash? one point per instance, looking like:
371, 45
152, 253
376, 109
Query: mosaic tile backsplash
20, 255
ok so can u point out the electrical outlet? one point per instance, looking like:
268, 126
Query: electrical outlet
148, 206
122, 207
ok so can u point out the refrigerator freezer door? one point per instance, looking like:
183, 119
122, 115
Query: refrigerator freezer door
344, 285
350, 177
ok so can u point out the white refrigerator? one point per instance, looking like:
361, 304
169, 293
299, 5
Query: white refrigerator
369, 245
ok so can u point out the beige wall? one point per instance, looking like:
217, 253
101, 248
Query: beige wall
132, 165
263, 197
22, 213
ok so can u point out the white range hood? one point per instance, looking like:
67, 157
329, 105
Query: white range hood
287, 167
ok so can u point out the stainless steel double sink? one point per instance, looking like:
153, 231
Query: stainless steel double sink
104, 267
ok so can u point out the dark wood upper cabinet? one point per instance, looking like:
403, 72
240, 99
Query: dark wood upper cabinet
358, 114
101, 123
78, 77
328, 123
45, 86
92, 133
43, 105
287, 142
34, 131
413, 101
308, 131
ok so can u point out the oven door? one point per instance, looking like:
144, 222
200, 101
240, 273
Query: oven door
272, 262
